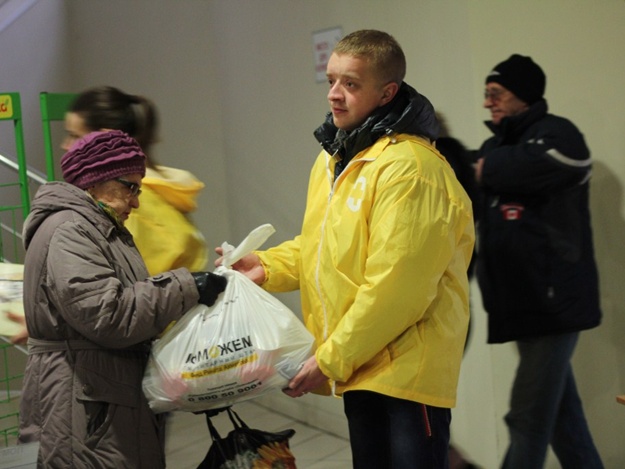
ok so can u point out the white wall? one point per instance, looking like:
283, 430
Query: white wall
31, 58
235, 84
164, 50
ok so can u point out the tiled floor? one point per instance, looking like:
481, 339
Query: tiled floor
188, 438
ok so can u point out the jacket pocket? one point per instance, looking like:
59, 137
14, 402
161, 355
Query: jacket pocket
91, 385
98, 418
98, 397
515, 262
407, 341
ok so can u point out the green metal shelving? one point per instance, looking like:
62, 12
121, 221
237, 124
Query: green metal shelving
14, 207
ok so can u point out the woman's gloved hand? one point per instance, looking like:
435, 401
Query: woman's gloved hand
209, 286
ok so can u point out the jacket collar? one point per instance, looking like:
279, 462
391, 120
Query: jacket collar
514, 126
58, 196
409, 112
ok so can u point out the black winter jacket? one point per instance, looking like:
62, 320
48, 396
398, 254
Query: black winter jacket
536, 266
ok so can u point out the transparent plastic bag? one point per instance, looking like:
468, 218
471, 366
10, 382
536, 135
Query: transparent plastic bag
246, 344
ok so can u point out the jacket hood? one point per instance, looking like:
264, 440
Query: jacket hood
409, 113
179, 188
55, 197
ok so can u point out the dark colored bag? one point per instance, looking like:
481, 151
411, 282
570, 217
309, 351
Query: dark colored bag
247, 448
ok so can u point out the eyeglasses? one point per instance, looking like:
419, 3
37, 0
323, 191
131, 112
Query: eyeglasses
495, 95
135, 189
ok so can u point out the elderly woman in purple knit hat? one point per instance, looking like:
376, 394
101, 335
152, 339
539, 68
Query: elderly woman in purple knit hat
92, 311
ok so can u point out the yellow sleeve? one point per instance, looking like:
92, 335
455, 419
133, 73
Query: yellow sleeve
166, 238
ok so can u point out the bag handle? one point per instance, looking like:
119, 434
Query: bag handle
236, 420
211, 428
252, 241
215, 436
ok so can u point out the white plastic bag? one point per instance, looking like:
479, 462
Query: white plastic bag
244, 345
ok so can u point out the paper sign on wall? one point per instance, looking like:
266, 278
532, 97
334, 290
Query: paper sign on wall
323, 43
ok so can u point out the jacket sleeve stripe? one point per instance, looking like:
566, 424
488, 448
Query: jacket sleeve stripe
556, 155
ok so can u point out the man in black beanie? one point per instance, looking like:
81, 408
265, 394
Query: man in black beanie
536, 266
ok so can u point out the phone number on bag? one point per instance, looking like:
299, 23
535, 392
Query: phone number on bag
225, 395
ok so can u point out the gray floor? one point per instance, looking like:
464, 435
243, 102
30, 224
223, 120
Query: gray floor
188, 439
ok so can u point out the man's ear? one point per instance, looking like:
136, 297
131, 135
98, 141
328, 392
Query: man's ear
389, 92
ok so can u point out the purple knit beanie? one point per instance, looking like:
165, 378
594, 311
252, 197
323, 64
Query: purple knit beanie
102, 156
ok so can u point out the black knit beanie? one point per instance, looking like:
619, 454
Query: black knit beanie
520, 75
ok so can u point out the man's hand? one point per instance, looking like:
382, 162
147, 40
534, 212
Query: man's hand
307, 379
248, 265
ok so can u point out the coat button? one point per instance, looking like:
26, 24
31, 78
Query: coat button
87, 389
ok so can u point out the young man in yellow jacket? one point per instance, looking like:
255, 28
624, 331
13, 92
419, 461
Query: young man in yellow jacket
381, 262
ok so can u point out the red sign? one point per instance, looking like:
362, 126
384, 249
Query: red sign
512, 211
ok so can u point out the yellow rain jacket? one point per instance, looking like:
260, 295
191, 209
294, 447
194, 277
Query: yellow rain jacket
381, 263
162, 230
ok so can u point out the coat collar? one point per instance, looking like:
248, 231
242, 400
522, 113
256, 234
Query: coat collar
409, 112
58, 196
514, 126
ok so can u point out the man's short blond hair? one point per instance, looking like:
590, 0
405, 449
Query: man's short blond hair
380, 49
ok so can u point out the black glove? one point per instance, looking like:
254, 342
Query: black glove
209, 286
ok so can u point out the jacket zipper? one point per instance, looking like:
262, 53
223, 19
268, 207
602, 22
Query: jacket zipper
319, 248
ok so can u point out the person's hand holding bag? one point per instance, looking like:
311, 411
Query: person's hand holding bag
246, 344
209, 286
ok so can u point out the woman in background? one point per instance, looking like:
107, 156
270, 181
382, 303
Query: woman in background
162, 229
